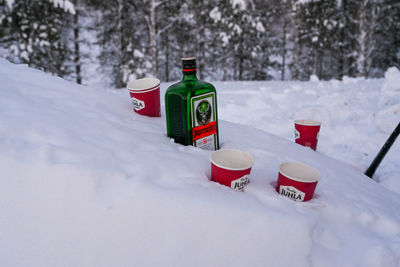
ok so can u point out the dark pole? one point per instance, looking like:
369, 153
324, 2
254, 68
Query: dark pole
375, 163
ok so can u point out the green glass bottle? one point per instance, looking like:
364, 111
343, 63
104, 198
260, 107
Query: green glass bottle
191, 110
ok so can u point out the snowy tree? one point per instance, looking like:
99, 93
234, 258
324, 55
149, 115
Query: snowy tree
4, 23
347, 43
238, 27
110, 40
161, 18
151, 8
77, 41
232, 39
378, 24
385, 43
39, 33
200, 22
349, 37
119, 33
366, 22
274, 17
286, 13
317, 28
172, 21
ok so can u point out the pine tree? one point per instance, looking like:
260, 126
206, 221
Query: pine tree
5, 20
109, 40
347, 44
182, 39
303, 53
385, 50
160, 17
200, 23
38, 31
366, 21
238, 30
169, 30
318, 30
232, 39
76, 40
285, 11
268, 58
118, 36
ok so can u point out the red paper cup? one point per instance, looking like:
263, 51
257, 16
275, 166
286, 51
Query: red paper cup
145, 95
307, 132
297, 181
231, 167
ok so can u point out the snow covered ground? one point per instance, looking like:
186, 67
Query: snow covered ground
357, 116
84, 181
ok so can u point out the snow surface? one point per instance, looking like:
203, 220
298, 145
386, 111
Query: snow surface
392, 80
357, 116
85, 181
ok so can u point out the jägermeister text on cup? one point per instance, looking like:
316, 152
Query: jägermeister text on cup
191, 110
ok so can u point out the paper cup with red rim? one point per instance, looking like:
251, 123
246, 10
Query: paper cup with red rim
231, 167
307, 132
145, 95
297, 181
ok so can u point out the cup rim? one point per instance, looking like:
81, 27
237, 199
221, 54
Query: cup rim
144, 91
143, 84
306, 168
249, 157
308, 122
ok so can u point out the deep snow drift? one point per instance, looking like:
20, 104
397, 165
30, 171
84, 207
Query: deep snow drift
87, 182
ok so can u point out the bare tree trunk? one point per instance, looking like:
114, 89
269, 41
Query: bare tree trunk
241, 67
341, 63
120, 82
224, 77
201, 43
371, 41
166, 56
319, 62
153, 36
362, 39
155, 33
294, 70
120, 8
77, 45
285, 22
235, 64
341, 59
352, 62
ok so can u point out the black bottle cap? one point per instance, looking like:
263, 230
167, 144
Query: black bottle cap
189, 65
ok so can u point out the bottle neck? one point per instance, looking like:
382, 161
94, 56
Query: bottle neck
189, 76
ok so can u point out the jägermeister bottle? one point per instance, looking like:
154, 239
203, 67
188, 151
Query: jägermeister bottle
191, 109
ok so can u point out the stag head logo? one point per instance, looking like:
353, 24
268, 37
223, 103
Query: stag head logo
203, 113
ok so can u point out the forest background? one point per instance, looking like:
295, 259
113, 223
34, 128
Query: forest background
232, 39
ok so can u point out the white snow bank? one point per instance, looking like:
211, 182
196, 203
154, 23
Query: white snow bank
314, 78
392, 80
357, 117
87, 182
